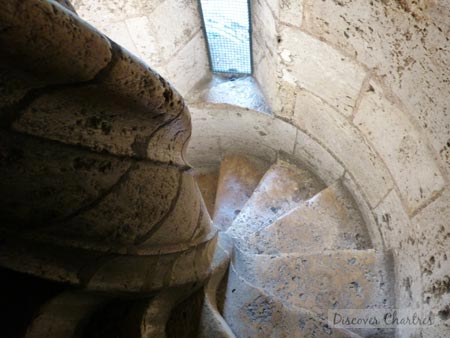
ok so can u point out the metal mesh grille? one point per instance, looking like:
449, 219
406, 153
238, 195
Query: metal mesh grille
227, 28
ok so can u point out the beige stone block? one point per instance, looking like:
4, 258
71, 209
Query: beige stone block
78, 52
434, 242
291, 12
242, 130
401, 146
321, 69
319, 160
189, 66
345, 142
118, 32
401, 48
142, 35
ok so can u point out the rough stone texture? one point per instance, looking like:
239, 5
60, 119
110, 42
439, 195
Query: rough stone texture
242, 91
34, 171
433, 235
147, 29
317, 159
220, 129
95, 190
321, 69
283, 187
410, 162
238, 178
64, 315
207, 183
357, 156
78, 51
349, 279
328, 221
400, 46
253, 313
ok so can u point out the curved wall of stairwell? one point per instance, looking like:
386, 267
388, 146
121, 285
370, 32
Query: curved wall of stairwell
94, 190
368, 82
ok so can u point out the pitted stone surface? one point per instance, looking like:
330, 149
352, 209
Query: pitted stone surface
283, 187
328, 221
401, 44
130, 211
238, 178
346, 143
87, 117
253, 313
207, 183
78, 52
399, 143
93, 161
345, 279
43, 182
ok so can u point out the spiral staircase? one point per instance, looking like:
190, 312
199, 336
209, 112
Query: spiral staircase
105, 233
298, 248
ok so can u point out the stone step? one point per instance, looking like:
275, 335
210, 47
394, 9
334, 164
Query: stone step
330, 220
238, 178
63, 315
252, 313
283, 187
212, 324
343, 279
207, 183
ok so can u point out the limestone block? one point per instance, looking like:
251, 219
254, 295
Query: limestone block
345, 279
132, 80
264, 71
78, 52
238, 178
327, 221
365, 209
345, 142
253, 313
187, 223
401, 146
207, 183
321, 69
242, 130
101, 13
400, 235
119, 33
291, 12
44, 182
14, 85
129, 213
188, 66
169, 143
63, 315
143, 37
157, 29
319, 160
84, 117
401, 48
434, 243
266, 33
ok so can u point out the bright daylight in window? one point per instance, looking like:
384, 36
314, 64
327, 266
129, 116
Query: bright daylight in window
227, 26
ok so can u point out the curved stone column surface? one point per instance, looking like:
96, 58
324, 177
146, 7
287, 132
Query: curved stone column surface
94, 187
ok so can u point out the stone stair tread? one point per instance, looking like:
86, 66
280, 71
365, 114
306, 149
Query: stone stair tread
346, 279
283, 187
207, 183
329, 220
237, 180
252, 312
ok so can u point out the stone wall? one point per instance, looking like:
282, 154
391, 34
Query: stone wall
166, 34
368, 81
